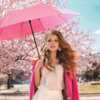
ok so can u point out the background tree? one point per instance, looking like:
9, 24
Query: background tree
18, 53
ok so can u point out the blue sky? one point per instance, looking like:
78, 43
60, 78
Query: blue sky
90, 17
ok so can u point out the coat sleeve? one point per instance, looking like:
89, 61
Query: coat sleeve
75, 91
31, 82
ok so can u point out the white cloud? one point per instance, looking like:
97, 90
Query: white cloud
97, 31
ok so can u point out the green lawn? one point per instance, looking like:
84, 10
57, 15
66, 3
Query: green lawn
88, 88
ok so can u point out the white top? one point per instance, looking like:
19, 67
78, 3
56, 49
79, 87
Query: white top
52, 80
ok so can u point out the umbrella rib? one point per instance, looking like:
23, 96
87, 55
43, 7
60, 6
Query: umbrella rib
62, 18
21, 28
41, 23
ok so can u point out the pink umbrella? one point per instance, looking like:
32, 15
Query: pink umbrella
20, 23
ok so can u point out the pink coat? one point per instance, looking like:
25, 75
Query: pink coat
72, 87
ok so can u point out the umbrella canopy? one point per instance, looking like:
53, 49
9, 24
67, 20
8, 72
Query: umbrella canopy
20, 23
16, 23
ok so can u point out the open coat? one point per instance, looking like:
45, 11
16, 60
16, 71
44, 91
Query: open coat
71, 85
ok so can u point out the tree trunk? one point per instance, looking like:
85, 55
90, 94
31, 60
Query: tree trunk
9, 81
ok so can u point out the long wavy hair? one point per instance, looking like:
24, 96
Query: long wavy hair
67, 56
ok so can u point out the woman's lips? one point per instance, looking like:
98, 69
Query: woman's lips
53, 46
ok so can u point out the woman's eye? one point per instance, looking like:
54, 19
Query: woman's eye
56, 40
49, 40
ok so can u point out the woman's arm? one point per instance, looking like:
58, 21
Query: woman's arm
65, 89
37, 73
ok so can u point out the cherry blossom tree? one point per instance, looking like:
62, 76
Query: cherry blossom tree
17, 53
81, 41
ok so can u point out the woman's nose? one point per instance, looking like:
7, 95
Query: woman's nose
52, 42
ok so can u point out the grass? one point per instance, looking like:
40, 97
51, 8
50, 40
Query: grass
18, 91
89, 88
83, 88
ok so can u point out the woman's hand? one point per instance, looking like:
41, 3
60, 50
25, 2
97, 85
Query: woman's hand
38, 65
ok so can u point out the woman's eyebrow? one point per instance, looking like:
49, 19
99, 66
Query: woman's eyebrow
48, 39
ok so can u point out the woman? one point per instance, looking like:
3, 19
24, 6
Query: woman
53, 76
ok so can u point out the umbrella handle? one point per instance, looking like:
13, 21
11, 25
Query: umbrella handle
34, 38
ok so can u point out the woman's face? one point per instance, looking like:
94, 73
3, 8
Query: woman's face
52, 43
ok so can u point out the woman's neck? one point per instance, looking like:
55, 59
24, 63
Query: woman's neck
53, 55
54, 59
